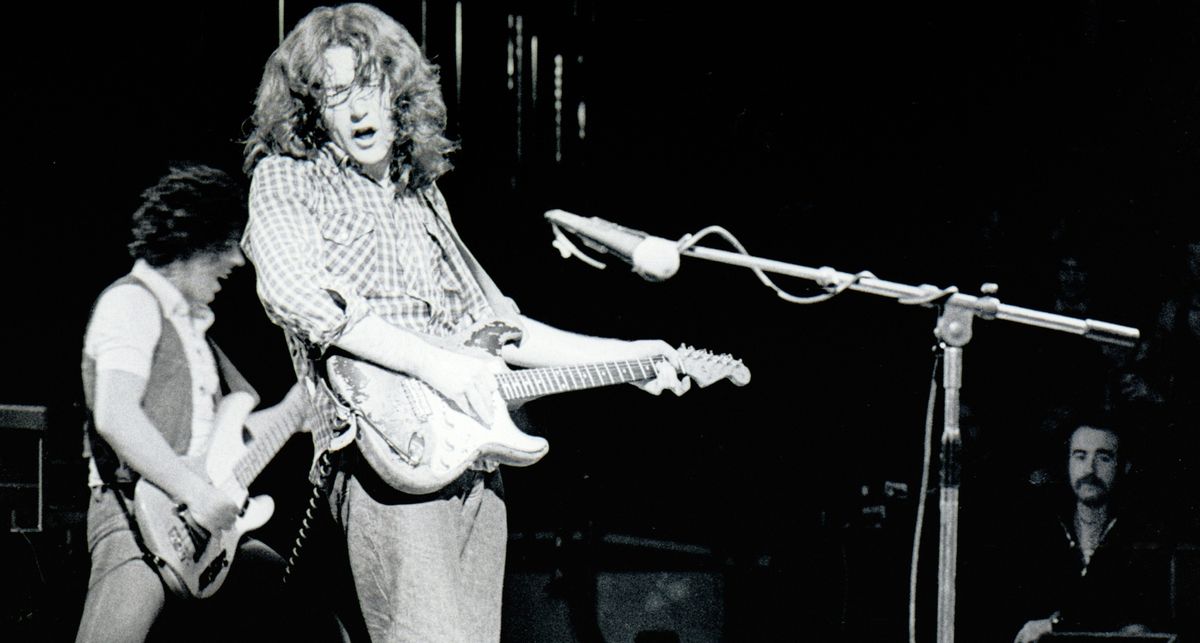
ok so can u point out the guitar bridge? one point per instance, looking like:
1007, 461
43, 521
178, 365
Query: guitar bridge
214, 569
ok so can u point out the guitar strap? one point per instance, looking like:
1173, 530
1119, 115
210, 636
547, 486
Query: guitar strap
501, 305
231, 378
155, 563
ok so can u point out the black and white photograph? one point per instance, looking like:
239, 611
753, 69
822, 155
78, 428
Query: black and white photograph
601, 321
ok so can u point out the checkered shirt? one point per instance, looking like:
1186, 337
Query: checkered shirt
330, 246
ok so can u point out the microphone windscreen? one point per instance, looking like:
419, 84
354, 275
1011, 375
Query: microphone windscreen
656, 258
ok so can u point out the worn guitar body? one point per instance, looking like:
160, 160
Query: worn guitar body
418, 441
193, 562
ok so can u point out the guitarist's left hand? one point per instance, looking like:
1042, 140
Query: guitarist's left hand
668, 372
544, 345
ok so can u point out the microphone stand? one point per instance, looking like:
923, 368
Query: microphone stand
953, 330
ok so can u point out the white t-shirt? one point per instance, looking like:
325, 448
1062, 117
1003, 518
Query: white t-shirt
124, 331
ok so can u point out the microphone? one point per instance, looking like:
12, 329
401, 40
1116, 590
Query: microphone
654, 258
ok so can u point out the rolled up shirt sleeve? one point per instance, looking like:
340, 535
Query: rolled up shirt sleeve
124, 331
284, 242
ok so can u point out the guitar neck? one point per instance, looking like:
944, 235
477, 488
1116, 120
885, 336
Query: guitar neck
535, 382
261, 450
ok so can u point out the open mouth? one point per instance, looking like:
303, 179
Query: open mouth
363, 135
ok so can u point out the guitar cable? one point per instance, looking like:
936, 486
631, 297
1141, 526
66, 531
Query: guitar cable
324, 468
830, 292
919, 528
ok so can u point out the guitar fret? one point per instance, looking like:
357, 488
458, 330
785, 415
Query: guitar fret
511, 385
262, 450
517, 384
535, 382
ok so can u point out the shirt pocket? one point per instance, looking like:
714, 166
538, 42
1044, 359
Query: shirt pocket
348, 237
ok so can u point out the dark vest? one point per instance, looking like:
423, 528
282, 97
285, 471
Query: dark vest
168, 398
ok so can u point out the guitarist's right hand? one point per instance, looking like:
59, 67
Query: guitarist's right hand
210, 508
468, 381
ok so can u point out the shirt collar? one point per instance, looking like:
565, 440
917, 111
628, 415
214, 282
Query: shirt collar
341, 159
172, 301
336, 155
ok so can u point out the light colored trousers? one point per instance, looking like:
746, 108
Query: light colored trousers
125, 595
427, 569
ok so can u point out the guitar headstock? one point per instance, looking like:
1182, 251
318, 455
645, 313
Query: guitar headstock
705, 367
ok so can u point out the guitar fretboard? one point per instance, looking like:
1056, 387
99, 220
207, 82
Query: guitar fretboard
264, 447
534, 382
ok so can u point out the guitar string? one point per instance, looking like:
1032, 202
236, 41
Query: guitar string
539, 381
250, 465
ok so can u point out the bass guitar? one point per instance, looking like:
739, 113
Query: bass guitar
193, 563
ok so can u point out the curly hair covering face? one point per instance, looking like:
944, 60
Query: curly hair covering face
288, 108
191, 210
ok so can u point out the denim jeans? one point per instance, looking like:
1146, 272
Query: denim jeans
125, 596
427, 569
127, 601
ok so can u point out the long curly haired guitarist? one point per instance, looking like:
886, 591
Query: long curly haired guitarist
356, 255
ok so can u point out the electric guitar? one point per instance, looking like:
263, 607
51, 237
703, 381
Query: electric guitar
193, 563
418, 441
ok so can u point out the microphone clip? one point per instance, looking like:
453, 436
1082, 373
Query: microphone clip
568, 249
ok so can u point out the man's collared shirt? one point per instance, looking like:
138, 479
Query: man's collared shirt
124, 331
331, 245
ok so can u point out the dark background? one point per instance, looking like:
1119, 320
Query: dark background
1048, 147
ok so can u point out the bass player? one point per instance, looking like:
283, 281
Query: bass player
152, 381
